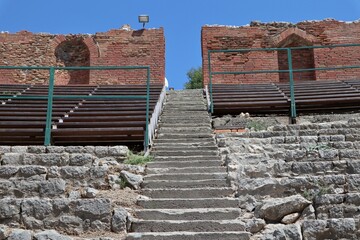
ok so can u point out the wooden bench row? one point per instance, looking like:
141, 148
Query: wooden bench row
75, 121
310, 96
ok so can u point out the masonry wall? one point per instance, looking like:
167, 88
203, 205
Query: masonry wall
119, 47
277, 35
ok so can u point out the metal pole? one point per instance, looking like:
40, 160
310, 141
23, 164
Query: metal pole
146, 141
210, 85
291, 81
49, 107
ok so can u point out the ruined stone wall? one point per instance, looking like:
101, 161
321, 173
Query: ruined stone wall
302, 180
73, 190
119, 47
277, 35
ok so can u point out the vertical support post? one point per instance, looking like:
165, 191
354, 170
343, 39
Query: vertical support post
292, 93
49, 107
210, 84
146, 140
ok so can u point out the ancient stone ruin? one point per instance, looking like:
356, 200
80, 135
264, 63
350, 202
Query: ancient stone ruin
226, 175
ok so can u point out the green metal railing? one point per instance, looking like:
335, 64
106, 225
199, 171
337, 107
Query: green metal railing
50, 97
290, 69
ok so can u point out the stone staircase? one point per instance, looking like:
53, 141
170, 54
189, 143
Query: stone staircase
187, 194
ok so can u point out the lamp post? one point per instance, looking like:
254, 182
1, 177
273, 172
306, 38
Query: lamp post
143, 19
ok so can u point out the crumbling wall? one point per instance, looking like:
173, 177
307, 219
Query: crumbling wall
302, 180
277, 35
118, 47
74, 190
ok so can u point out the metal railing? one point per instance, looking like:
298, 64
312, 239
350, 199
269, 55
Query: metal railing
50, 96
290, 69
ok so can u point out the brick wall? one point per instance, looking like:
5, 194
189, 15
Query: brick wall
119, 47
276, 35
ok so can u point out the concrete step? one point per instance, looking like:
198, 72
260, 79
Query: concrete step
184, 120
186, 144
178, 164
176, 103
190, 236
189, 214
185, 141
203, 130
161, 147
188, 192
174, 203
154, 184
178, 107
186, 170
194, 225
203, 116
187, 158
187, 127
185, 153
186, 176
185, 135
184, 125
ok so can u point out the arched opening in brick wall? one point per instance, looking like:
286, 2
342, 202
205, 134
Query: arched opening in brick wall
301, 59
72, 53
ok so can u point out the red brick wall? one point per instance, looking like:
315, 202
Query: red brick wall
275, 35
113, 48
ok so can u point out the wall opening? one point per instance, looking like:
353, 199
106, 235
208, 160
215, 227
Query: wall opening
301, 59
72, 53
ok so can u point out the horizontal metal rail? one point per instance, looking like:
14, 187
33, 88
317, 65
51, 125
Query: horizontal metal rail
290, 69
50, 97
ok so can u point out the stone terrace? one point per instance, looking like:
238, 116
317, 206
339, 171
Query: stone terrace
43, 189
303, 180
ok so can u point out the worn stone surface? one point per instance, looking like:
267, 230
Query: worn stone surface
276, 209
50, 235
119, 220
280, 231
19, 234
132, 179
291, 218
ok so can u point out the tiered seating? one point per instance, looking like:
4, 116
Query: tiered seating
75, 121
310, 96
259, 98
323, 96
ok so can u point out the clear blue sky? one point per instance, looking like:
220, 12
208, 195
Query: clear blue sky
182, 20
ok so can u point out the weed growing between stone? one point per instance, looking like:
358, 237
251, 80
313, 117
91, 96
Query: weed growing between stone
256, 125
137, 159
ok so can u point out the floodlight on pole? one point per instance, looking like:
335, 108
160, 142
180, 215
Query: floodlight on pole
143, 19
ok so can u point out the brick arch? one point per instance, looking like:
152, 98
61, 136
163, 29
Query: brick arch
280, 39
301, 59
71, 51
88, 41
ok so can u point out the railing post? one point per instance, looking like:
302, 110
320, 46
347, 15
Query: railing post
146, 140
49, 107
291, 81
210, 84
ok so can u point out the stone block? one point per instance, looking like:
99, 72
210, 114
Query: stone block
119, 220
29, 171
275, 209
8, 171
36, 149
12, 159
54, 187
101, 151
81, 159
20, 234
